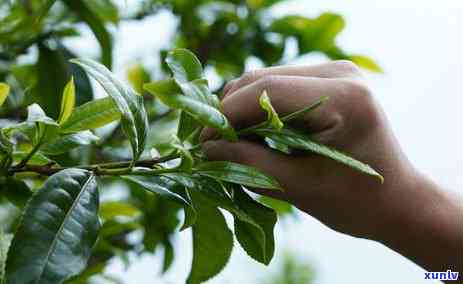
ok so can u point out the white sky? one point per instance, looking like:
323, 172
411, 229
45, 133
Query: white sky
419, 44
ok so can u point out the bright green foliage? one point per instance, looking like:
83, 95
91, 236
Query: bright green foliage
36, 114
137, 76
63, 213
300, 113
236, 173
15, 191
210, 229
272, 116
199, 187
366, 63
4, 92
282, 208
112, 209
184, 65
133, 113
92, 115
68, 102
37, 158
53, 152
91, 18
298, 140
68, 142
5, 240
48, 92
163, 186
6, 152
170, 94
256, 235
46, 129
292, 271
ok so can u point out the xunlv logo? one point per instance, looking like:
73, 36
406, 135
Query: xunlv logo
449, 275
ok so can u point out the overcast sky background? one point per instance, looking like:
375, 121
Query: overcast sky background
419, 44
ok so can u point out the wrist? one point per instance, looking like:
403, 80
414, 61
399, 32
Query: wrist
423, 223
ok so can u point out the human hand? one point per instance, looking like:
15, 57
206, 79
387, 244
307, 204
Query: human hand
350, 121
407, 212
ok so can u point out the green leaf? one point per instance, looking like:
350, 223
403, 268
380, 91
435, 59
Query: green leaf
46, 128
184, 65
164, 186
255, 237
260, 4
187, 126
59, 228
210, 189
138, 76
105, 9
85, 276
366, 62
212, 242
97, 26
169, 93
92, 115
190, 218
282, 208
272, 116
5, 240
68, 142
81, 80
216, 194
6, 149
110, 210
300, 141
15, 191
161, 133
4, 92
300, 113
199, 90
188, 74
187, 183
187, 159
277, 146
134, 118
51, 81
36, 114
67, 102
316, 34
26, 24
168, 256
38, 159
237, 173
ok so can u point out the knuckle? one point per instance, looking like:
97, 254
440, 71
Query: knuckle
347, 67
248, 77
362, 101
357, 90
268, 82
229, 85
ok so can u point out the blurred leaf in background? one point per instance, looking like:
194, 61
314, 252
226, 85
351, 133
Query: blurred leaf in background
292, 270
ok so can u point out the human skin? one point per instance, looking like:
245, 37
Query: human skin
408, 212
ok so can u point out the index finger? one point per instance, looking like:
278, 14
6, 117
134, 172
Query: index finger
332, 69
287, 94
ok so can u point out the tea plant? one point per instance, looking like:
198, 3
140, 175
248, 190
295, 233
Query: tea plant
65, 154
60, 224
